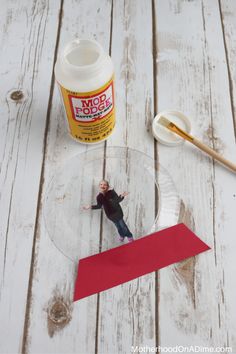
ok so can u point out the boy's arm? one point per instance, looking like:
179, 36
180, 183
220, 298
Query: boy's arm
117, 198
98, 205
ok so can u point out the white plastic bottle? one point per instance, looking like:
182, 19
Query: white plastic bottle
85, 75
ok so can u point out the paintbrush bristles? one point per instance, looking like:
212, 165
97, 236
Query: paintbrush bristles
174, 128
164, 121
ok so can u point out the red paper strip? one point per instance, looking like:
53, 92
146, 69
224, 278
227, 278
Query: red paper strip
121, 264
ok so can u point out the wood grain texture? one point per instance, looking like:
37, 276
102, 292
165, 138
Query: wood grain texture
61, 326
28, 35
127, 313
192, 77
226, 220
227, 11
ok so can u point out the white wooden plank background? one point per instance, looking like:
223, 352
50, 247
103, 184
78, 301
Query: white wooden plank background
28, 40
131, 307
51, 289
167, 54
196, 58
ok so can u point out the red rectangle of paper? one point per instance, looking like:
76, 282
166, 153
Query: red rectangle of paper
147, 254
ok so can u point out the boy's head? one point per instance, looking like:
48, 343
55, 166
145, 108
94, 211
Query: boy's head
104, 186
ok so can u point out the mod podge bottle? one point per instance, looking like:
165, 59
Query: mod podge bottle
85, 74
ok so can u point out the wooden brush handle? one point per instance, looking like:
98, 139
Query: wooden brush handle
214, 154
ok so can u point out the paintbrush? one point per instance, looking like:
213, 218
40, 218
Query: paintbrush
175, 129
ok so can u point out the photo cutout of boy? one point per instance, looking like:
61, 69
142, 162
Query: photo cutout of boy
109, 201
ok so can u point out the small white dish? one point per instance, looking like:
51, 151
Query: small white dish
163, 135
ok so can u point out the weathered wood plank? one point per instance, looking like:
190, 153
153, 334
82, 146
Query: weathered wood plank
192, 77
28, 36
227, 12
226, 214
56, 324
127, 312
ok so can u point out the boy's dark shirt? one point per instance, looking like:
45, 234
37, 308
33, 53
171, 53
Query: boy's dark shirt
110, 203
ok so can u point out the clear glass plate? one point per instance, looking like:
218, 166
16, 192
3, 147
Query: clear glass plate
152, 202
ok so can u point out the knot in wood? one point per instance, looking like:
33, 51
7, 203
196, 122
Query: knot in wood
59, 313
17, 95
